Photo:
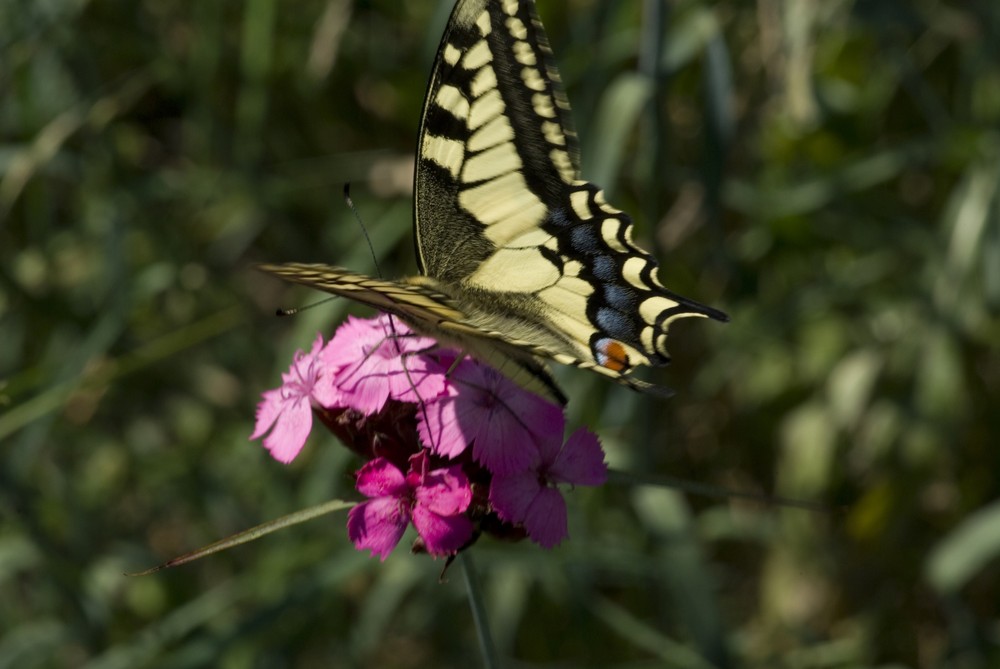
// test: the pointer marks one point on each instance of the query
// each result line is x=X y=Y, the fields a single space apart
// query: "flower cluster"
x=451 y=445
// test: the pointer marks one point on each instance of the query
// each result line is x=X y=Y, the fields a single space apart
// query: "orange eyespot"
x=611 y=354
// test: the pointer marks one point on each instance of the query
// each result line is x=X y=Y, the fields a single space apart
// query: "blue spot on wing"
x=605 y=268
x=558 y=218
x=619 y=297
x=615 y=324
x=584 y=240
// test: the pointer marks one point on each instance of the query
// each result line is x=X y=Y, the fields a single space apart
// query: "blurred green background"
x=827 y=172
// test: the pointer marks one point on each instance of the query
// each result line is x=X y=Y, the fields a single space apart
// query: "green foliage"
x=826 y=172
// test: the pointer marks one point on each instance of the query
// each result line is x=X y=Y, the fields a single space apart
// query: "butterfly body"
x=521 y=261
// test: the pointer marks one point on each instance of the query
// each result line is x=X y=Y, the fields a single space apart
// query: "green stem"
x=472 y=584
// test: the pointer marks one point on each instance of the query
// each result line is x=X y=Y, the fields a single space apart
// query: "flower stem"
x=472 y=584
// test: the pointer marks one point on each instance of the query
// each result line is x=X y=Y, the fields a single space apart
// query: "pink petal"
x=442 y=535
x=286 y=411
x=406 y=340
x=512 y=495
x=325 y=394
x=420 y=465
x=546 y=519
x=439 y=429
x=374 y=359
x=313 y=375
x=506 y=423
x=268 y=411
x=550 y=443
x=581 y=460
x=324 y=391
x=542 y=418
x=361 y=390
x=420 y=379
x=305 y=367
x=316 y=349
x=383 y=369
x=353 y=345
x=291 y=428
x=501 y=443
x=446 y=492
x=377 y=525
x=355 y=336
x=381 y=478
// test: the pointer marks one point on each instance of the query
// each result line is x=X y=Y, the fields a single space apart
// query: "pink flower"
x=286 y=412
x=530 y=496
x=433 y=500
x=503 y=422
x=392 y=396
x=380 y=358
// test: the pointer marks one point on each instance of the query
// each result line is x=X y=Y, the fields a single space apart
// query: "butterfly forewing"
x=496 y=143
x=432 y=313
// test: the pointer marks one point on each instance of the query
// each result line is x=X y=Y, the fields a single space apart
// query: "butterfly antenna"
x=378 y=272
x=361 y=224
x=371 y=248
x=291 y=312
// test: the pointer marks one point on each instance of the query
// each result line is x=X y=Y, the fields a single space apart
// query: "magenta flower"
x=530 y=497
x=433 y=500
x=503 y=422
x=286 y=412
x=377 y=359
x=392 y=396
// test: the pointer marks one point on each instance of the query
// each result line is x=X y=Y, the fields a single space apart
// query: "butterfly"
x=520 y=260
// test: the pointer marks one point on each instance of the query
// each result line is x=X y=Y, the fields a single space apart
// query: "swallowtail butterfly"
x=520 y=260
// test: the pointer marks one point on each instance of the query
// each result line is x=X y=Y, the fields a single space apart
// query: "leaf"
x=963 y=553
x=253 y=533
x=617 y=115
